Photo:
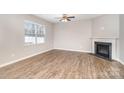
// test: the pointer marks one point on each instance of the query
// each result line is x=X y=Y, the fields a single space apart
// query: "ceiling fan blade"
x=58 y=17
x=68 y=19
x=71 y=17
x=61 y=19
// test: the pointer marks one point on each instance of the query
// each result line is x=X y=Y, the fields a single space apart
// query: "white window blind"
x=34 y=33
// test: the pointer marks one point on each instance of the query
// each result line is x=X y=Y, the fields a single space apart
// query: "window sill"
x=29 y=44
x=33 y=44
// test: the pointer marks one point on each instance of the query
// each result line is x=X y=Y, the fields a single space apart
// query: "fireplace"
x=103 y=49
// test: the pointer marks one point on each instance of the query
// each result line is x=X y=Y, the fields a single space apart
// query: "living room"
x=99 y=35
x=61 y=46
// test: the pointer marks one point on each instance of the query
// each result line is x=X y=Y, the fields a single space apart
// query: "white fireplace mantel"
x=114 y=42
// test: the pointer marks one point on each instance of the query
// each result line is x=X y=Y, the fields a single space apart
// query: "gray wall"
x=12 y=38
x=106 y=26
x=73 y=36
x=121 y=39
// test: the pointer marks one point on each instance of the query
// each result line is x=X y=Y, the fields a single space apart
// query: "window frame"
x=36 y=33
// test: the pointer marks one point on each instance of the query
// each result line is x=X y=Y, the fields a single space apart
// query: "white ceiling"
x=52 y=17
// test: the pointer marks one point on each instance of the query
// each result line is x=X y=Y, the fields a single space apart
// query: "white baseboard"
x=122 y=62
x=14 y=61
x=73 y=50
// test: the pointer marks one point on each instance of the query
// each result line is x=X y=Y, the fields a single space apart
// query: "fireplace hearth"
x=103 y=49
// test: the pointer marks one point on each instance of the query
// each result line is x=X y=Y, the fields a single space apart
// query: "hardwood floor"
x=59 y=64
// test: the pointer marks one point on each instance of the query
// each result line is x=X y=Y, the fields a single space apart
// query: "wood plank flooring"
x=59 y=64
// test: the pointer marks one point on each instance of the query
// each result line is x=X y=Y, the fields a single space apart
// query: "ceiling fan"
x=65 y=18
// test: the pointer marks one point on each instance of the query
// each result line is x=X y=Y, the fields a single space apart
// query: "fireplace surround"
x=103 y=49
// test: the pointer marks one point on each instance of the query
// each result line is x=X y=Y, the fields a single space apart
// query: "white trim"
x=122 y=62
x=73 y=50
x=14 y=61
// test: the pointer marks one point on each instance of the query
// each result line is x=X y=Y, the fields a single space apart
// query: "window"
x=34 y=33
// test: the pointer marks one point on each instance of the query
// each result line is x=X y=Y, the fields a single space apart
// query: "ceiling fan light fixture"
x=64 y=20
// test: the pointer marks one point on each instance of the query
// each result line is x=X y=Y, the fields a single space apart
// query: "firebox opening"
x=103 y=49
